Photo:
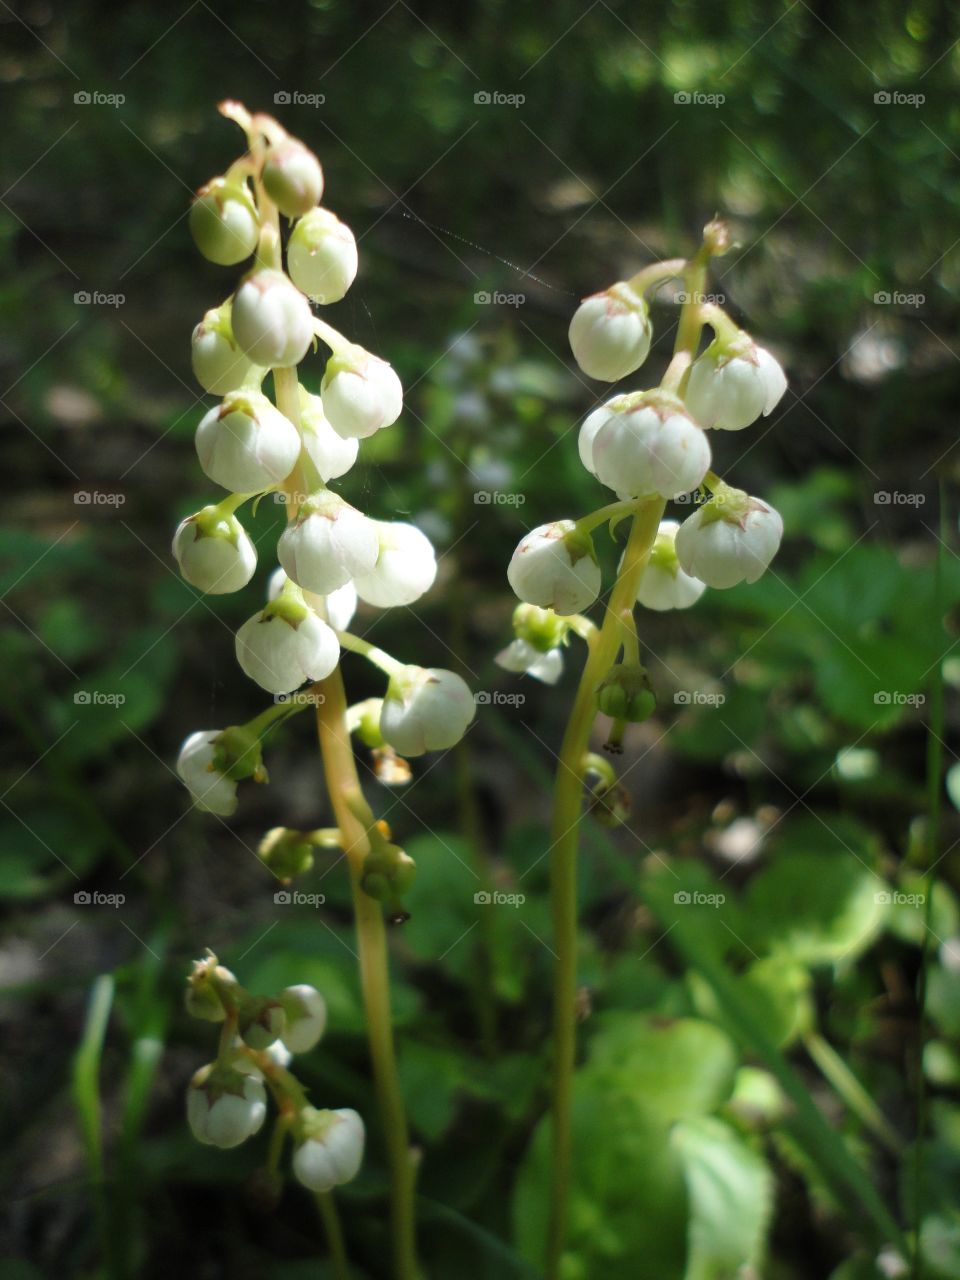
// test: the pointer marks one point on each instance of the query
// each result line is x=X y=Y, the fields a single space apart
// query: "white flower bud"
x=292 y=178
x=664 y=585
x=224 y=1106
x=556 y=567
x=218 y=363
x=361 y=394
x=286 y=644
x=306 y=1013
x=212 y=791
x=338 y=606
x=730 y=539
x=729 y=387
x=653 y=447
x=521 y=657
x=332 y=1150
x=214 y=552
x=224 y=222
x=322 y=256
x=425 y=709
x=330 y=453
x=329 y=543
x=247 y=445
x=272 y=320
x=610 y=333
x=406 y=566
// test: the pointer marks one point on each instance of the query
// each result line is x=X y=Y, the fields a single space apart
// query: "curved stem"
x=379 y=657
x=587 y=523
x=657 y=273
x=354 y=819
x=334 y=1233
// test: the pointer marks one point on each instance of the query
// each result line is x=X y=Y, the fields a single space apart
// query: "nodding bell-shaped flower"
x=425 y=709
x=650 y=444
x=292 y=178
x=214 y=552
x=225 y=1106
x=361 y=394
x=272 y=320
x=610 y=333
x=406 y=566
x=224 y=222
x=218 y=363
x=663 y=584
x=245 y=444
x=537 y=649
x=329 y=543
x=213 y=761
x=730 y=539
x=732 y=383
x=329 y=452
x=306 y=1014
x=555 y=566
x=522 y=658
x=287 y=644
x=338 y=607
x=330 y=1150
x=322 y=256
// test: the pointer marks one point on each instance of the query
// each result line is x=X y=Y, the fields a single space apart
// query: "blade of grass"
x=86 y=1098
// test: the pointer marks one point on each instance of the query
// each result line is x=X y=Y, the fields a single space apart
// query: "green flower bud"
x=209 y=988
x=287 y=853
x=224 y=222
x=542 y=629
x=625 y=694
x=237 y=754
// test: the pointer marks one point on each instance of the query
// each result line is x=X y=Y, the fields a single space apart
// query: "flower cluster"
x=651 y=445
x=331 y=554
x=227 y=1098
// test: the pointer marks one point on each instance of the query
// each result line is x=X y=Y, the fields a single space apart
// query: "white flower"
x=663 y=584
x=224 y=222
x=556 y=568
x=214 y=552
x=329 y=452
x=272 y=320
x=212 y=791
x=218 y=363
x=729 y=391
x=306 y=1014
x=406 y=566
x=224 y=1106
x=730 y=539
x=338 y=607
x=293 y=178
x=653 y=447
x=610 y=333
x=520 y=656
x=322 y=256
x=285 y=645
x=245 y=444
x=425 y=709
x=334 y=1154
x=329 y=543
x=361 y=394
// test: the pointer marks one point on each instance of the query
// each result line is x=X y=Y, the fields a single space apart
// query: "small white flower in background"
x=218 y=363
x=330 y=453
x=556 y=567
x=225 y=1106
x=729 y=387
x=322 y=256
x=245 y=444
x=425 y=709
x=212 y=790
x=652 y=447
x=272 y=321
x=522 y=658
x=329 y=543
x=406 y=566
x=293 y=178
x=610 y=333
x=214 y=552
x=286 y=644
x=224 y=222
x=331 y=1151
x=361 y=394
x=730 y=539
x=663 y=584
x=306 y=1014
x=338 y=607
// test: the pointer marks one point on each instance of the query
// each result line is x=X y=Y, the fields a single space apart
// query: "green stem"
x=586 y=524
x=379 y=657
x=334 y=1233
x=656 y=273
x=852 y=1091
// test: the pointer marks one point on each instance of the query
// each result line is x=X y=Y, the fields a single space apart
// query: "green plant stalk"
x=846 y=1084
x=567 y=807
x=86 y=1099
x=354 y=819
x=334 y=1233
